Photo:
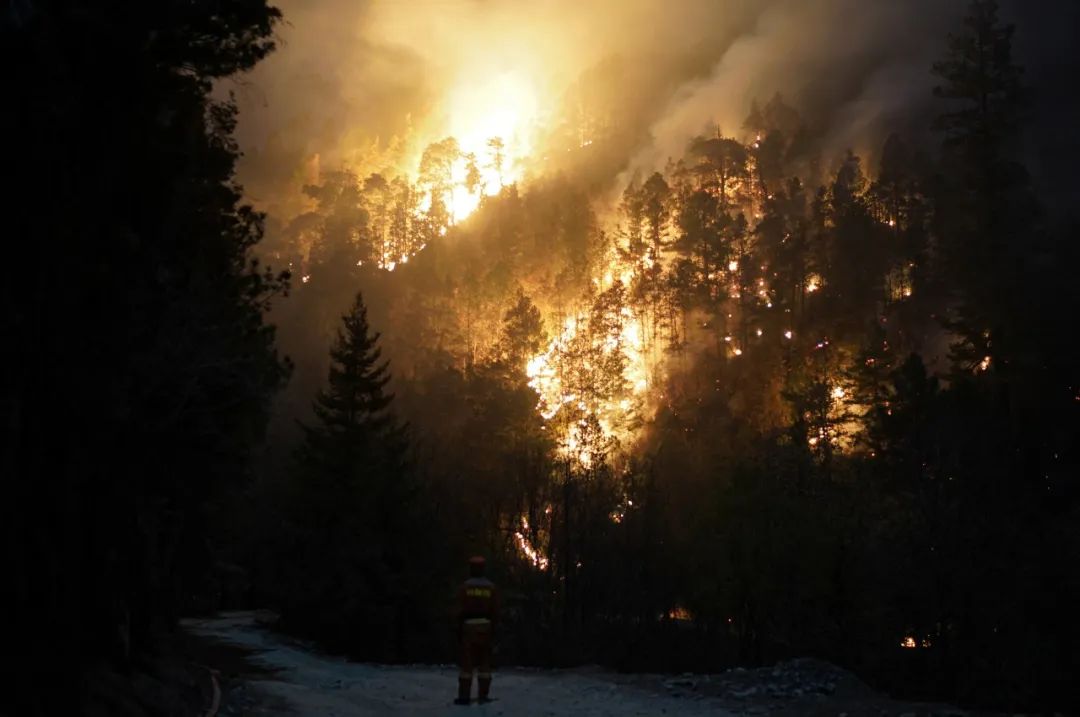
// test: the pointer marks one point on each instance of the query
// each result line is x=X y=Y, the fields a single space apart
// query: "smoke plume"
x=352 y=75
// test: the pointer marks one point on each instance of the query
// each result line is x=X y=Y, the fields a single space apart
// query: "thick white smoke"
x=350 y=73
x=850 y=66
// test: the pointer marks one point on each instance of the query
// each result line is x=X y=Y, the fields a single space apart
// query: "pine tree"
x=343 y=220
x=656 y=208
x=497 y=153
x=522 y=335
x=982 y=83
x=353 y=506
x=722 y=165
x=436 y=176
x=857 y=254
x=375 y=240
x=632 y=211
x=988 y=206
x=356 y=432
x=700 y=222
x=145 y=278
x=474 y=181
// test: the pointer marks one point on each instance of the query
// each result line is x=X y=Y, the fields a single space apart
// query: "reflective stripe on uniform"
x=478 y=621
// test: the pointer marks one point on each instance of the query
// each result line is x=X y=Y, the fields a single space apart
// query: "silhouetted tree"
x=523 y=333
x=353 y=504
x=141 y=251
x=655 y=209
x=987 y=206
x=436 y=176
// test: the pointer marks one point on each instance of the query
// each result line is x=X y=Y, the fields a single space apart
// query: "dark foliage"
x=351 y=559
x=137 y=366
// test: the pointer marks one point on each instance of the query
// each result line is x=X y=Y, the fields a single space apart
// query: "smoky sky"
x=350 y=73
x=1045 y=44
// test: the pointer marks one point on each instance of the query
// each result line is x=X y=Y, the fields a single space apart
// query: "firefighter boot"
x=483 y=687
x=464 y=687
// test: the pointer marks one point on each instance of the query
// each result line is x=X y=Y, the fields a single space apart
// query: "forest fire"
x=583 y=308
x=491 y=125
x=526 y=549
x=592 y=378
x=495 y=119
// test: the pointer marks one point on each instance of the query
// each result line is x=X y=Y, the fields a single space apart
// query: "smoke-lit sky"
x=349 y=72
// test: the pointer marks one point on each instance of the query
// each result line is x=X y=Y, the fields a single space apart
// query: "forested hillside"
x=729 y=332
x=760 y=402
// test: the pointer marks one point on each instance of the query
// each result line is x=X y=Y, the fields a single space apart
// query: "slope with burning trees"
x=708 y=291
x=716 y=412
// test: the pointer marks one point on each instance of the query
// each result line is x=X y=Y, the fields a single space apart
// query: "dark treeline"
x=775 y=403
x=138 y=370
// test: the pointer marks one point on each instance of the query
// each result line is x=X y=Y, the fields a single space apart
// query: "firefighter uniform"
x=478 y=608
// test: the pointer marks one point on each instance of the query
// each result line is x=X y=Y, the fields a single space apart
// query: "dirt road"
x=294 y=680
x=307 y=684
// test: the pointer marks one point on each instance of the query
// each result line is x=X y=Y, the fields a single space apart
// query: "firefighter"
x=478 y=610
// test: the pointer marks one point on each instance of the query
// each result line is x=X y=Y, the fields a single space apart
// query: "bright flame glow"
x=589 y=422
x=502 y=108
x=505 y=106
x=527 y=550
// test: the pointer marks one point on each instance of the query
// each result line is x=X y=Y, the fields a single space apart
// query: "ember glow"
x=591 y=420
x=526 y=549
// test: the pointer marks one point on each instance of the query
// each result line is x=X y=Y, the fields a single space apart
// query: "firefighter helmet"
x=476 y=565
